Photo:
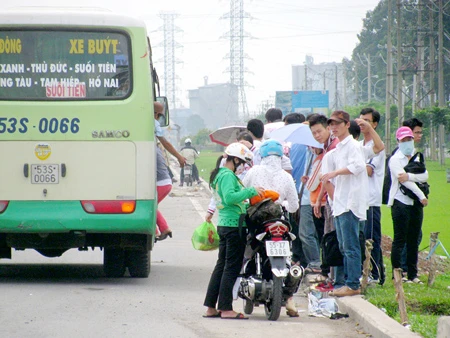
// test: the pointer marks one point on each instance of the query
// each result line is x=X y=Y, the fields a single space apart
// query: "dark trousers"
x=372 y=230
x=407 y=220
x=228 y=266
x=319 y=223
x=297 y=249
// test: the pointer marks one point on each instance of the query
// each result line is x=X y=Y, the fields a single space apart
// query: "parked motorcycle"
x=267 y=276
x=188 y=178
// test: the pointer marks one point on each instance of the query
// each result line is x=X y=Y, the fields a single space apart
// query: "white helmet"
x=188 y=140
x=240 y=151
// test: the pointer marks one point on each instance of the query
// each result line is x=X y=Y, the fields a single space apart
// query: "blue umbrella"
x=296 y=133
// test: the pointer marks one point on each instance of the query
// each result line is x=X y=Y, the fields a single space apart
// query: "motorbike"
x=267 y=276
x=188 y=178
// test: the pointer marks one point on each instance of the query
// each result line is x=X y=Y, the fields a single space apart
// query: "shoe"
x=325 y=287
x=180 y=185
x=310 y=270
x=291 y=309
x=370 y=280
x=238 y=316
x=345 y=291
x=174 y=180
x=199 y=182
x=163 y=236
x=414 y=281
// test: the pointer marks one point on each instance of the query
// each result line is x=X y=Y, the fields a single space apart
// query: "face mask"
x=239 y=169
x=406 y=148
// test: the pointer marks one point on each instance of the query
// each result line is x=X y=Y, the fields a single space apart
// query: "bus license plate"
x=279 y=248
x=44 y=173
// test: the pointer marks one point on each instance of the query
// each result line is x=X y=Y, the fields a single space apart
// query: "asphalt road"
x=70 y=297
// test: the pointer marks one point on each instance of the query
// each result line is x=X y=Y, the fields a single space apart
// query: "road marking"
x=198 y=207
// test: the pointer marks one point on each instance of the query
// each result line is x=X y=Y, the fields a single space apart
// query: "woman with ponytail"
x=230 y=196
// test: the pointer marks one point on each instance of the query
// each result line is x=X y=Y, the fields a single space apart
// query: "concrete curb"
x=443 y=327
x=372 y=319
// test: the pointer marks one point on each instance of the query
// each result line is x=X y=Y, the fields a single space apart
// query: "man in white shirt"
x=375 y=171
x=350 y=201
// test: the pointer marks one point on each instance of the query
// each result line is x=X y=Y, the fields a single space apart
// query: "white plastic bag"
x=324 y=307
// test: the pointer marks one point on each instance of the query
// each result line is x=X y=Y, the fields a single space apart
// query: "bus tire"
x=114 y=262
x=138 y=263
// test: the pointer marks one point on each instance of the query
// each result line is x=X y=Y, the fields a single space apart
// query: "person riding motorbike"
x=271 y=176
x=191 y=154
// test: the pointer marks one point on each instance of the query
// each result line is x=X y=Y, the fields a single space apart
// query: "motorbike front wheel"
x=248 y=307
x=273 y=305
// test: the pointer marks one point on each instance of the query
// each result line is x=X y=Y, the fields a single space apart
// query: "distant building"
x=216 y=104
x=324 y=76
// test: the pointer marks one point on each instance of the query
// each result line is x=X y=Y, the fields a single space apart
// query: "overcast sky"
x=283 y=32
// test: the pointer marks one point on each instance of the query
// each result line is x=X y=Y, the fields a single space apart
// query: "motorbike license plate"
x=187 y=171
x=44 y=173
x=279 y=248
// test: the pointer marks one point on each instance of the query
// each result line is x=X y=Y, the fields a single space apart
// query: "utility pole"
x=170 y=45
x=389 y=80
x=419 y=83
x=336 y=94
x=356 y=84
x=441 y=95
x=345 y=83
x=399 y=66
x=432 y=66
x=324 y=80
x=306 y=77
x=369 y=80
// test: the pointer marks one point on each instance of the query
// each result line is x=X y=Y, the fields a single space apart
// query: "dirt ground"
x=442 y=264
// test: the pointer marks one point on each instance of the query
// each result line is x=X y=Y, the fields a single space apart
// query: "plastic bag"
x=205 y=237
x=324 y=307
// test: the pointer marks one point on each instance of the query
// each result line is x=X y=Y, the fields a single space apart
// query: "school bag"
x=387 y=179
x=261 y=212
x=416 y=167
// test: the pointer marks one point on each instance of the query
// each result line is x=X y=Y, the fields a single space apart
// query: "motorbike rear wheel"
x=273 y=306
x=248 y=307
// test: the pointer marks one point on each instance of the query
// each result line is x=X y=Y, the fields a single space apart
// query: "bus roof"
x=66 y=16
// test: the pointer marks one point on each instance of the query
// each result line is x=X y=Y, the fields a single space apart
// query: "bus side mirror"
x=164 y=120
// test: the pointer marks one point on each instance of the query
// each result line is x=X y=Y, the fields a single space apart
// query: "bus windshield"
x=64 y=65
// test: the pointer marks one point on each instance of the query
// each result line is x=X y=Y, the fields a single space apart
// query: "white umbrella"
x=226 y=135
x=296 y=133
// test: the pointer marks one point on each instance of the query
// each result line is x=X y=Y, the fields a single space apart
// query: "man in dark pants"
x=375 y=172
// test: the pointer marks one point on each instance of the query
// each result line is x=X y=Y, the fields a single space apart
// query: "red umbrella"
x=226 y=135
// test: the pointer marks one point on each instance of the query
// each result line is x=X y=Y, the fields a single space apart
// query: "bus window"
x=64 y=65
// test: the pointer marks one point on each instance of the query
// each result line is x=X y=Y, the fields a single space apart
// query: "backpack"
x=261 y=212
x=416 y=167
x=331 y=255
x=387 y=179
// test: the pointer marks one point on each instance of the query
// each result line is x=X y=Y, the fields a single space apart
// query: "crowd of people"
x=336 y=188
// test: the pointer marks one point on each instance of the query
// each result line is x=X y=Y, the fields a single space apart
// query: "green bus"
x=77 y=139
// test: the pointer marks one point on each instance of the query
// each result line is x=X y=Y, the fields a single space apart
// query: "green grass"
x=436 y=214
x=206 y=163
x=424 y=304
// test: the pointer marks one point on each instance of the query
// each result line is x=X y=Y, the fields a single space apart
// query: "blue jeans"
x=308 y=237
x=347 y=230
